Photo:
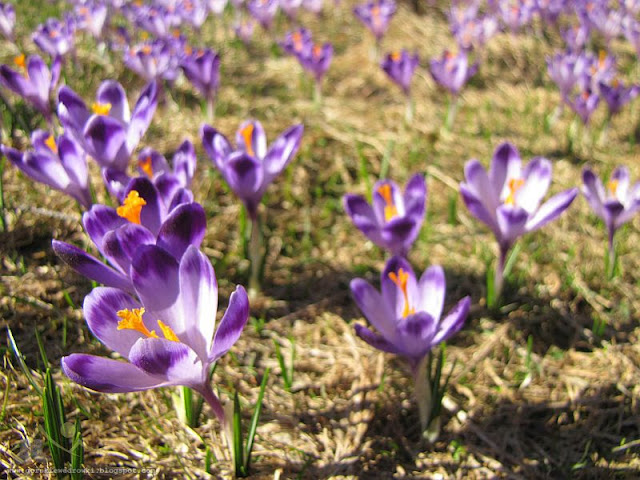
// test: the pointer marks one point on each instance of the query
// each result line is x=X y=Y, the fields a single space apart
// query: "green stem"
x=451 y=113
x=211 y=111
x=409 y=110
x=317 y=94
x=255 y=256
x=423 y=393
x=3 y=220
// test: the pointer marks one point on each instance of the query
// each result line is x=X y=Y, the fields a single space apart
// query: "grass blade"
x=254 y=420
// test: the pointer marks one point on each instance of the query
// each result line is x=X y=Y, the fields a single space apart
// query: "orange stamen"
x=132 y=320
x=131 y=207
x=297 y=41
x=514 y=185
x=20 y=61
x=101 y=108
x=390 y=209
x=146 y=50
x=400 y=279
x=146 y=166
x=613 y=186
x=317 y=51
x=396 y=56
x=247 y=134
x=51 y=143
x=168 y=333
x=144 y=35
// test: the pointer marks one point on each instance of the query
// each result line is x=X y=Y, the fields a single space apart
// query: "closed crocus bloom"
x=616 y=95
x=616 y=203
x=55 y=37
x=155 y=60
x=263 y=11
x=376 y=16
x=59 y=163
x=296 y=42
x=250 y=167
x=166 y=335
x=32 y=80
x=244 y=30
x=400 y=66
x=508 y=198
x=108 y=131
x=316 y=59
x=452 y=71
x=394 y=220
x=92 y=17
x=584 y=104
x=7 y=20
x=142 y=219
x=202 y=69
x=407 y=312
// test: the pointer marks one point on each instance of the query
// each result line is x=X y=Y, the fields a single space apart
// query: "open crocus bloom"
x=376 y=16
x=142 y=219
x=166 y=334
x=250 y=167
x=55 y=37
x=394 y=220
x=508 y=198
x=399 y=66
x=452 y=71
x=109 y=131
x=616 y=203
x=60 y=164
x=407 y=313
x=32 y=80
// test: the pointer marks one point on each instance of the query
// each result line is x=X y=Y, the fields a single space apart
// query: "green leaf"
x=255 y=418
x=236 y=425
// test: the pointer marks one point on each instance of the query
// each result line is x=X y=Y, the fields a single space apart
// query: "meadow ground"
x=563 y=406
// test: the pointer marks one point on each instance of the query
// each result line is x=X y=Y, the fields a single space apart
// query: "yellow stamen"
x=54 y=34
x=297 y=41
x=188 y=50
x=602 y=58
x=400 y=279
x=247 y=134
x=51 y=143
x=146 y=166
x=131 y=207
x=317 y=51
x=514 y=185
x=132 y=320
x=390 y=210
x=144 y=35
x=146 y=50
x=613 y=186
x=20 y=61
x=101 y=108
x=396 y=56
x=168 y=333
x=175 y=33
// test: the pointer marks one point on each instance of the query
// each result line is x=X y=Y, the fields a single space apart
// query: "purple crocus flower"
x=617 y=95
x=155 y=59
x=394 y=219
x=407 y=312
x=516 y=13
x=156 y=20
x=193 y=12
x=55 y=37
x=568 y=71
x=244 y=30
x=216 y=6
x=108 y=132
x=400 y=66
x=290 y=7
x=616 y=203
x=60 y=164
x=452 y=71
x=316 y=59
x=584 y=104
x=142 y=219
x=7 y=20
x=263 y=11
x=202 y=69
x=508 y=198
x=33 y=81
x=376 y=16
x=577 y=37
x=296 y=42
x=250 y=167
x=92 y=17
x=177 y=298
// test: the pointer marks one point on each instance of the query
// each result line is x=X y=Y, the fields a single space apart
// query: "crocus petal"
x=551 y=209
x=399 y=233
x=111 y=92
x=216 y=145
x=537 y=176
x=197 y=303
x=231 y=325
x=415 y=196
x=174 y=361
x=116 y=182
x=257 y=140
x=621 y=176
x=376 y=341
x=154 y=273
x=453 y=322
x=391 y=293
x=362 y=216
x=593 y=191
x=416 y=334
x=106 y=375
x=73 y=160
x=106 y=138
x=184 y=163
x=431 y=291
x=244 y=175
x=142 y=115
x=373 y=307
x=183 y=227
x=91 y=267
x=478 y=209
x=478 y=183
x=101 y=309
x=282 y=151
x=153 y=212
x=100 y=220
x=505 y=164
x=120 y=245
x=72 y=111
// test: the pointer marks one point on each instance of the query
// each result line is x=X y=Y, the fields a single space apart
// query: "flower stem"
x=255 y=256
x=3 y=219
x=498 y=279
x=409 y=110
x=214 y=402
x=422 y=390
x=211 y=111
x=611 y=263
x=451 y=113
x=317 y=94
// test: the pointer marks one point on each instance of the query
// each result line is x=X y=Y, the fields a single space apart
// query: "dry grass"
x=567 y=409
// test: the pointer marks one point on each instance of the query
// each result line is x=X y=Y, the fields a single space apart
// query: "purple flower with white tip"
x=142 y=219
x=394 y=219
x=92 y=17
x=400 y=66
x=109 y=132
x=59 y=163
x=7 y=20
x=177 y=299
x=407 y=312
x=615 y=204
x=452 y=71
x=508 y=198
x=250 y=167
x=55 y=37
x=33 y=81
x=376 y=16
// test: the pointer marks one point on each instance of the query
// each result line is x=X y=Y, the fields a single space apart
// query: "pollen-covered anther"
x=514 y=185
x=146 y=166
x=613 y=186
x=247 y=135
x=401 y=279
x=101 y=108
x=132 y=320
x=51 y=143
x=390 y=209
x=20 y=61
x=132 y=207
